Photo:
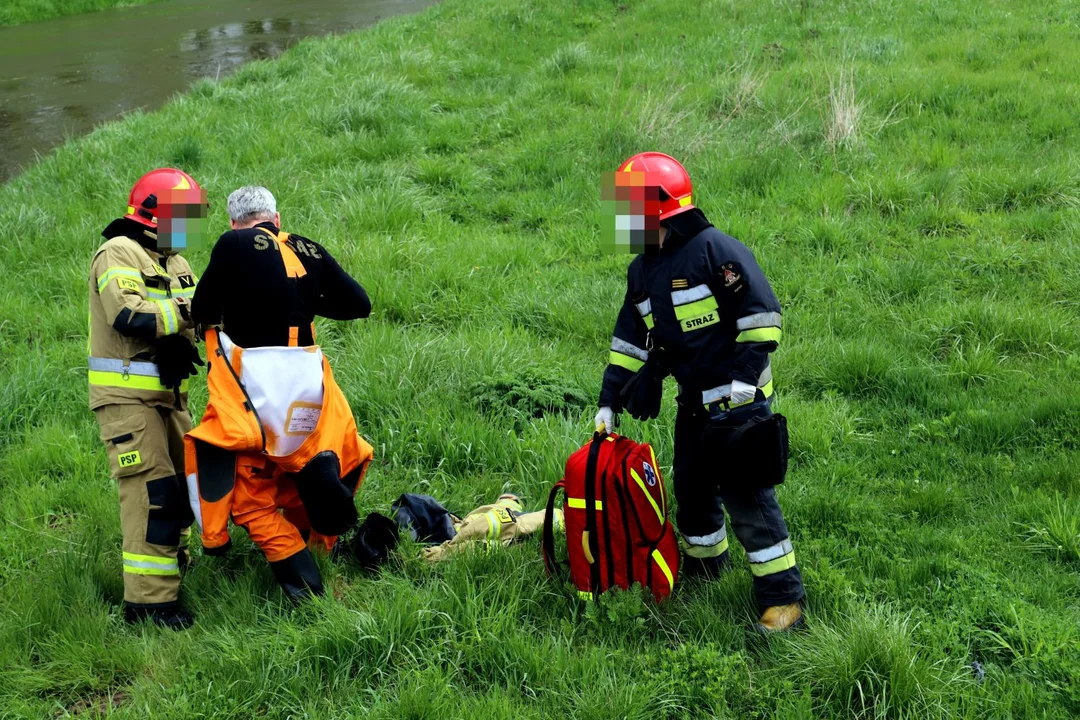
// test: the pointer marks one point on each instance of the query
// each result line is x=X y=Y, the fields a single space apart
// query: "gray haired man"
x=264 y=287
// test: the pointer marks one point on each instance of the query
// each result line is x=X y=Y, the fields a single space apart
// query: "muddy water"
x=62 y=77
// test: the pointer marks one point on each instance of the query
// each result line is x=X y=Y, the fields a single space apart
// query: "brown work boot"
x=780 y=618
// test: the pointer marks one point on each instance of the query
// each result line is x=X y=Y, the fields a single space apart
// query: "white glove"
x=605 y=420
x=742 y=393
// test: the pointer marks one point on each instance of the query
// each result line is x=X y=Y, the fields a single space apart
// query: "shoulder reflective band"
x=644 y=309
x=641 y=484
x=136 y=375
x=579 y=503
x=662 y=564
x=112 y=273
x=150 y=565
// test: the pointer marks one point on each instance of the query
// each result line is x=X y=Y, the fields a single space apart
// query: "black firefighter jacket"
x=704 y=300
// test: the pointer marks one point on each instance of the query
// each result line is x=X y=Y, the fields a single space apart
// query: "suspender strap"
x=293 y=269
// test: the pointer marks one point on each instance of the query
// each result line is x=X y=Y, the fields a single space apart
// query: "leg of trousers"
x=141 y=442
x=292 y=507
x=703 y=491
x=257 y=507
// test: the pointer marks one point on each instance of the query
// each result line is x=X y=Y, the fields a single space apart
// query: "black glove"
x=177 y=359
x=641 y=395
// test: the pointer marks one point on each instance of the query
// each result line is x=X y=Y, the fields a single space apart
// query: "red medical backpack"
x=615 y=514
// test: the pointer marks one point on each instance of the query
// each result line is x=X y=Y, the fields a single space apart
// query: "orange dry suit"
x=277 y=451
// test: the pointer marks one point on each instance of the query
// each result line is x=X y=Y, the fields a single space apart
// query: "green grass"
x=907 y=173
x=17 y=12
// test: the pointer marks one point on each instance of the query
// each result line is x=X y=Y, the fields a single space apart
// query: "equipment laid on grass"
x=500 y=523
x=423 y=518
x=373 y=541
x=615 y=514
x=426 y=521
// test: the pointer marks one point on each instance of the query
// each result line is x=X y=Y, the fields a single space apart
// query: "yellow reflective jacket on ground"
x=501 y=523
x=136 y=297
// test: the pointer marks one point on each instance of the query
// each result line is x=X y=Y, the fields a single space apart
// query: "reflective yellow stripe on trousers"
x=773 y=559
x=150 y=565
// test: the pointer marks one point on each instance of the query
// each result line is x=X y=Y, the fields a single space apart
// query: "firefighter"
x=141 y=353
x=698 y=300
x=277 y=451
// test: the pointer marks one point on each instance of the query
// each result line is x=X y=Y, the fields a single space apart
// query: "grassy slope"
x=17 y=12
x=929 y=271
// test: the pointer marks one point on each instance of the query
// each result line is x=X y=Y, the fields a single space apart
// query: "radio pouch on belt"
x=754 y=450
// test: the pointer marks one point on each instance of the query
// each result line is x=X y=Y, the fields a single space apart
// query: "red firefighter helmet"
x=667 y=173
x=156 y=187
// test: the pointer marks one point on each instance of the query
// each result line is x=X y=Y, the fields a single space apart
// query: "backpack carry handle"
x=548 y=540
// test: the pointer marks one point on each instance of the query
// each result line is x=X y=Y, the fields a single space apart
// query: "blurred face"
x=181 y=217
x=631 y=213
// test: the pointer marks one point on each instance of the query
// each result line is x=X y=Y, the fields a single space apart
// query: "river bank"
x=907 y=174
x=17 y=12
x=62 y=78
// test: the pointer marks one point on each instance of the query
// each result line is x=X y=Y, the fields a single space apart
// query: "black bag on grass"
x=423 y=519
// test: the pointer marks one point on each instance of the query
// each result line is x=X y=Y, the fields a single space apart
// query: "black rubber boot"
x=170 y=615
x=298 y=576
x=705 y=568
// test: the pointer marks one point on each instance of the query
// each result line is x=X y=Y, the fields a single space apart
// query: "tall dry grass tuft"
x=843 y=112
